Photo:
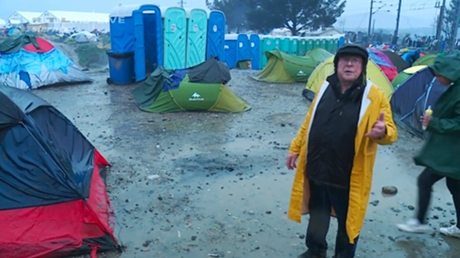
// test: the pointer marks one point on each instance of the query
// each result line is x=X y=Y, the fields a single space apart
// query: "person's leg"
x=425 y=182
x=318 y=225
x=340 y=200
x=454 y=187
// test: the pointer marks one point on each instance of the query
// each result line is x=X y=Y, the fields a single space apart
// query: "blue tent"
x=413 y=97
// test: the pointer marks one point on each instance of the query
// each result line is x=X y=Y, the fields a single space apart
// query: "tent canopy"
x=210 y=71
x=326 y=68
x=319 y=54
x=30 y=62
x=30 y=43
x=384 y=62
x=402 y=76
x=412 y=98
x=425 y=60
x=284 y=68
x=173 y=91
x=53 y=200
x=396 y=60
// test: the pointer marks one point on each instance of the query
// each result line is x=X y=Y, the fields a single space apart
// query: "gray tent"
x=412 y=98
x=210 y=71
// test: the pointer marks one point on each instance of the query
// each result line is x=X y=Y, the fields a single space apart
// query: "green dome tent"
x=425 y=60
x=200 y=88
x=406 y=73
x=319 y=54
x=284 y=68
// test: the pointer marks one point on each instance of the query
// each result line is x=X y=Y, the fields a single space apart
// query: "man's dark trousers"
x=322 y=198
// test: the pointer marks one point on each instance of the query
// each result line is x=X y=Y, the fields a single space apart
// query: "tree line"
x=263 y=16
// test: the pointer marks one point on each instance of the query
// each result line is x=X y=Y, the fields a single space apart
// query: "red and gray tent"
x=53 y=199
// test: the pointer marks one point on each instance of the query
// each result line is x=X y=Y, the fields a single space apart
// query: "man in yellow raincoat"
x=336 y=147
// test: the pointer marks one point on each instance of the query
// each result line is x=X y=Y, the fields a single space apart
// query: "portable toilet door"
x=317 y=43
x=254 y=51
x=341 y=42
x=148 y=40
x=329 y=45
x=243 y=47
x=268 y=44
x=294 y=42
x=175 y=37
x=197 y=29
x=278 y=42
x=335 y=45
x=285 y=45
x=310 y=45
x=121 y=29
x=302 y=47
x=323 y=43
x=230 y=50
x=216 y=35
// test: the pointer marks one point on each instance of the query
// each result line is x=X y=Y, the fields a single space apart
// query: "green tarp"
x=14 y=43
x=156 y=95
x=284 y=68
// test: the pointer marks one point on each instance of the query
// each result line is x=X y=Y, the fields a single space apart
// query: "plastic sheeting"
x=32 y=62
x=41 y=69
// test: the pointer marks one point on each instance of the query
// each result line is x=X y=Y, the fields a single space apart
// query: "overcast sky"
x=414 y=12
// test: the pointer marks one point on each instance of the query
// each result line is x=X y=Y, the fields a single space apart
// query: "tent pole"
x=398 y=16
x=370 y=22
x=440 y=19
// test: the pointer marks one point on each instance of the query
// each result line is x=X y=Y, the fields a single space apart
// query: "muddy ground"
x=194 y=184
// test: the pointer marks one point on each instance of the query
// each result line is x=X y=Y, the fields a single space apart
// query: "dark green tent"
x=201 y=88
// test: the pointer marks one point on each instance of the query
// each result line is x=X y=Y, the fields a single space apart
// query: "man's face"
x=349 y=68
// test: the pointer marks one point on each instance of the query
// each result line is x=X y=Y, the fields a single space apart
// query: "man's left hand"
x=379 y=129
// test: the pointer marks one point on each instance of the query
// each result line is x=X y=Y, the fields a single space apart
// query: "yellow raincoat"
x=374 y=102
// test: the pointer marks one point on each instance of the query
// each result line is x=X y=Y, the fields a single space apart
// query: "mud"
x=199 y=184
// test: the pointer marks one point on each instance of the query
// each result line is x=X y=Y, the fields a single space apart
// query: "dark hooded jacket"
x=331 y=147
x=442 y=147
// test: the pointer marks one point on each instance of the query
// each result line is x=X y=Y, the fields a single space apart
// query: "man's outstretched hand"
x=379 y=129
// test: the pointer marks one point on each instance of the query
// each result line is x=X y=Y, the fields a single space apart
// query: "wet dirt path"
x=194 y=184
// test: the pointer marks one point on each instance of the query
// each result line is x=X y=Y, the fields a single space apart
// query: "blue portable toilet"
x=242 y=47
x=230 y=50
x=138 y=29
x=341 y=42
x=216 y=35
x=197 y=30
x=254 y=51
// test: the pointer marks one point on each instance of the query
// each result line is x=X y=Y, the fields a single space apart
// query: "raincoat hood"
x=447 y=66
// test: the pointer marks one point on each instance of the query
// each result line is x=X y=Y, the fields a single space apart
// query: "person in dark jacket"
x=336 y=146
x=440 y=153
